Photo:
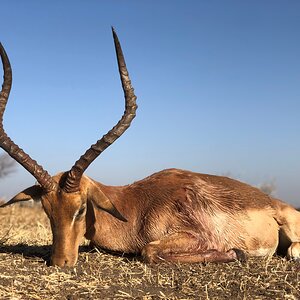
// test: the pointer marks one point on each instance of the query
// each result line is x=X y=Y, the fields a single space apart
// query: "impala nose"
x=66 y=263
x=62 y=262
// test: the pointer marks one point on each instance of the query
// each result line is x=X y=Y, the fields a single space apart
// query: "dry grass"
x=25 y=240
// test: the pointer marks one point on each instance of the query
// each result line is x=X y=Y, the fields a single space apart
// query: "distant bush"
x=268 y=188
x=7 y=165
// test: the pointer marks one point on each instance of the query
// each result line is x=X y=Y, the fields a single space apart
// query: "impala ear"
x=32 y=193
x=101 y=201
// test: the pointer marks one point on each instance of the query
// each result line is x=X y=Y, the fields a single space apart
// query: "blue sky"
x=217 y=85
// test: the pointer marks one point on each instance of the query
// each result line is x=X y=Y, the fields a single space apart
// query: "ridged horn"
x=7 y=144
x=74 y=175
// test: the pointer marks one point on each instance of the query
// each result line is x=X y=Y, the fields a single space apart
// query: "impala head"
x=65 y=197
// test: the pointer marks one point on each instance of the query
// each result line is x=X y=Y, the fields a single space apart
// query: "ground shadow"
x=44 y=252
x=126 y=256
x=30 y=251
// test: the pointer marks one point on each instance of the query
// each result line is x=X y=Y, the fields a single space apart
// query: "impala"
x=173 y=215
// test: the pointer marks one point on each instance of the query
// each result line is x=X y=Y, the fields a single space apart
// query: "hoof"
x=240 y=255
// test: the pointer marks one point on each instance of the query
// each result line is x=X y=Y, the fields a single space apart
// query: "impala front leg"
x=187 y=247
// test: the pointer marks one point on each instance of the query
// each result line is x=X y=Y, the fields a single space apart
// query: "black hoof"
x=240 y=255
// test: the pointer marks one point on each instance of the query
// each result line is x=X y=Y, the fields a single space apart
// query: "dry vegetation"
x=25 y=240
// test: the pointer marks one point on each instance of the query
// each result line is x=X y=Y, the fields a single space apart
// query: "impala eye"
x=80 y=212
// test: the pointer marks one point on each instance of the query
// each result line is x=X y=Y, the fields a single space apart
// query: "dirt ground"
x=25 y=240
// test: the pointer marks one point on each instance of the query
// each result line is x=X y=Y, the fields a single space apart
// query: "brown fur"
x=172 y=215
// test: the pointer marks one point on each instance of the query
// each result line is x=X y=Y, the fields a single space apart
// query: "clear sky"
x=217 y=85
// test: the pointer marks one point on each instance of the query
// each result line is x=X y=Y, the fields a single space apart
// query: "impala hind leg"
x=293 y=251
x=288 y=219
x=187 y=247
